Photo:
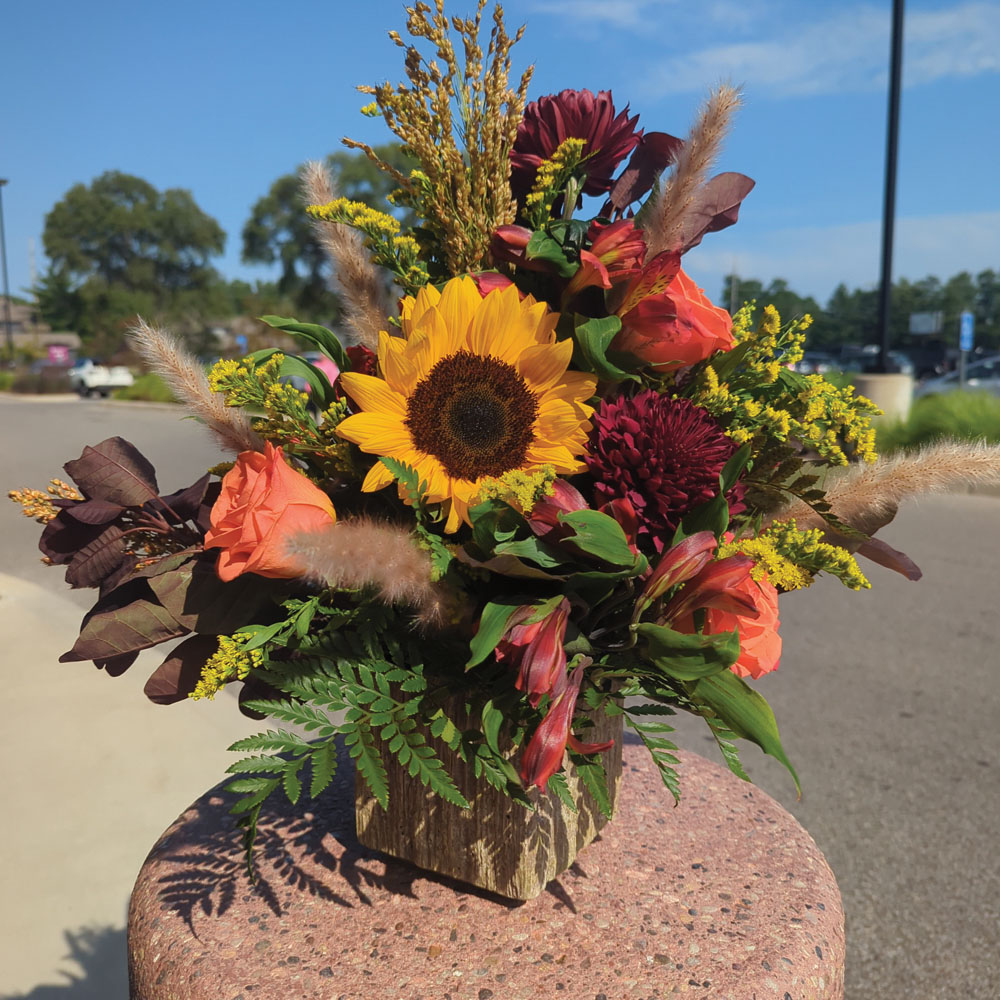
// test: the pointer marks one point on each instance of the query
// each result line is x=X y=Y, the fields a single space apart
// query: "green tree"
x=279 y=231
x=119 y=247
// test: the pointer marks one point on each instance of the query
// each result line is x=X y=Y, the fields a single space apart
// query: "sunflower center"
x=474 y=414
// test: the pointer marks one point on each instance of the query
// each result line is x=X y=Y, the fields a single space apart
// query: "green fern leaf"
x=594 y=779
x=323 y=758
x=557 y=784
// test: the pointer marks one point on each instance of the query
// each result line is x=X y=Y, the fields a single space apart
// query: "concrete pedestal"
x=724 y=896
x=892 y=393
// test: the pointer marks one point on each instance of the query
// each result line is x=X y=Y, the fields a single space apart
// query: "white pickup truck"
x=88 y=377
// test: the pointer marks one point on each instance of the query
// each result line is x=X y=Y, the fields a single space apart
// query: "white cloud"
x=815 y=259
x=617 y=13
x=847 y=52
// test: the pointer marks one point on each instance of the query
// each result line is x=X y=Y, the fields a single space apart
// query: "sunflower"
x=476 y=387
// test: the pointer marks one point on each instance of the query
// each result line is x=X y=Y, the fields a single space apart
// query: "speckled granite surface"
x=725 y=896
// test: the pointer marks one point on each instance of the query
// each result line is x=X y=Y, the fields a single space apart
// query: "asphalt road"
x=887 y=702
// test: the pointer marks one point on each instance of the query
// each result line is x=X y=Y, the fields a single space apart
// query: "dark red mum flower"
x=662 y=455
x=577 y=114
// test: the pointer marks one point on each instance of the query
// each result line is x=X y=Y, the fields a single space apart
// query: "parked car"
x=983 y=375
x=88 y=376
x=816 y=363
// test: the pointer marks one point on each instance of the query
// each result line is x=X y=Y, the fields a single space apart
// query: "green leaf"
x=493 y=720
x=557 y=785
x=745 y=712
x=361 y=742
x=290 y=779
x=260 y=634
x=543 y=247
x=600 y=536
x=733 y=468
x=592 y=774
x=492 y=625
x=323 y=338
x=689 y=657
x=593 y=337
x=533 y=550
x=323 y=758
x=660 y=748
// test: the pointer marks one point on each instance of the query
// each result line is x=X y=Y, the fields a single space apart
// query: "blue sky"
x=221 y=97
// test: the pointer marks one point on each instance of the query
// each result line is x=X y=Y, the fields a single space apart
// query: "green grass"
x=149 y=387
x=960 y=416
x=6 y=381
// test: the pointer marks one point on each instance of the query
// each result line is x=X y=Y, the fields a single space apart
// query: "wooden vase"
x=496 y=844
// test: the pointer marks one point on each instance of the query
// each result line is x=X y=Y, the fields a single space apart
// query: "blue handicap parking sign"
x=965 y=329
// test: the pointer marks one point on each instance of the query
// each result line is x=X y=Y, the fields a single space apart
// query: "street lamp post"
x=6 y=283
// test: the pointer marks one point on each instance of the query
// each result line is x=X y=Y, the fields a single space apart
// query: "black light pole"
x=889 y=203
x=6 y=284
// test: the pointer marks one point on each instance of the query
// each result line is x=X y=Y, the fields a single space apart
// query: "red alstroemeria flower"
x=624 y=513
x=490 y=281
x=543 y=755
x=543 y=518
x=536 y=649
x=510 y=244
x=719 y=585
x=577 y=114
x=615 y=254
x=679 y=563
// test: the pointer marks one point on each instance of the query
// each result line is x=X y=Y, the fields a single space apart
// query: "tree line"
x=118 y=248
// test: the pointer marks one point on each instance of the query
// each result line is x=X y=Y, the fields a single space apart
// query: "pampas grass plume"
x=361 y=553
x=187 y=381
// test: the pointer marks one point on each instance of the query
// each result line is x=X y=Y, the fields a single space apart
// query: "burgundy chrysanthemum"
x=662 y=455
x=577 y=114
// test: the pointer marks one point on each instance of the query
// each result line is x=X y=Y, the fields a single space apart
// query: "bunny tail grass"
x=361 y=553
x=867 y=496
x=665 y=226
x=186 y=379
x=361 y=287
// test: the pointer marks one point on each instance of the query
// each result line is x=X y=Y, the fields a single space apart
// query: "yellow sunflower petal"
x=499 y=328
x=413 y=309
x=543 y=365
x=378 y=478
x=371 y=393
x=460 y=301
x=377 y=434
x=397 y=368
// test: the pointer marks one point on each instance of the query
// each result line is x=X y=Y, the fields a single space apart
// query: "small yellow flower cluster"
x=38 y=505
x=551 y=178
x=371 y=110
x=761 y=402
x=398 y=253
x=229 y=662
x=521 y=488
x=791 y=557
x=356 y=214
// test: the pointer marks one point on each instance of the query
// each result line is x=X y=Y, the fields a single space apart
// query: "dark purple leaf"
x=178 y=675
x=127 y=619
x=716 y=206
x=129 y=573
x=93 y=511
x=203 y=519
x=198 y=599
x=63 y=538
x=117 y=665
x=885 y=555
x=115 y=471
x=655 y=152
x=187 y=502
x=98 y=560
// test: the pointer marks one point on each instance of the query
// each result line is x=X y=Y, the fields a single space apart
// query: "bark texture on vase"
x=497 y=844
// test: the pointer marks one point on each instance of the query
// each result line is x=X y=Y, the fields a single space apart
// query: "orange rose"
x=679 y=326
x=263 y=503
x=760 y=644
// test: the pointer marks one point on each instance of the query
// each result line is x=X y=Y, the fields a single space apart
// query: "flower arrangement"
x=553 y=480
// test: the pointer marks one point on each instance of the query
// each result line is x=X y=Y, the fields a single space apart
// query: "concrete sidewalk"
x=93 y=773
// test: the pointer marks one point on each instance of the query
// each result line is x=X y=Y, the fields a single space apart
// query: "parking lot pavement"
x=887 y=703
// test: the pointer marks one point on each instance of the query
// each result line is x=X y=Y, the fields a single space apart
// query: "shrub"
x=962 y=416
x=149 y=387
